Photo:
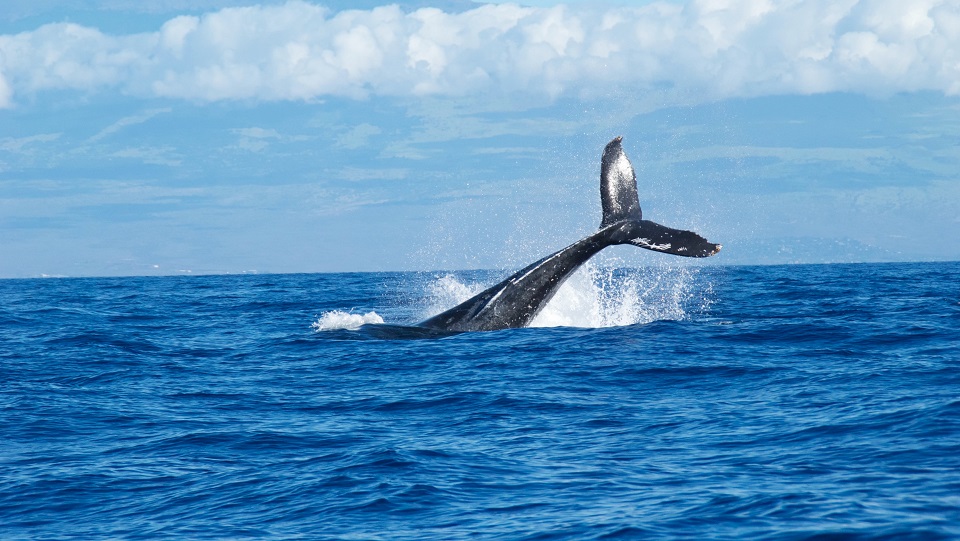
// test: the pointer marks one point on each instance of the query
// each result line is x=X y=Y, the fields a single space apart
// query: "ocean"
x=707 y=402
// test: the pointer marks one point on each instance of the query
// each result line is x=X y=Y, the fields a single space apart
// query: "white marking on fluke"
x=640 y=241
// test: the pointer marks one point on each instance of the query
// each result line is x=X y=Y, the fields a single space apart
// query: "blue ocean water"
x=783 y=402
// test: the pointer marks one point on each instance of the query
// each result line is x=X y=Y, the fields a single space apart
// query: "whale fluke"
x=618 y=186
x=659 y=238
x=515 y=301
x=620 y=203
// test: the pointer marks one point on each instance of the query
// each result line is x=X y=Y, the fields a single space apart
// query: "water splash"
x=445 y=292
x=338 y=319
x=595 y=297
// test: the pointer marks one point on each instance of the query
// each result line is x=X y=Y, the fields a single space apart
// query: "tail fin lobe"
x=618 y=186
x=660 y=238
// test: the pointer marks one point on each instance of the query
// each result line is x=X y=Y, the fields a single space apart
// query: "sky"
x=228 y=136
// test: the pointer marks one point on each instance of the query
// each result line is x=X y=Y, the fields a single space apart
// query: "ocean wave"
x=217 y=413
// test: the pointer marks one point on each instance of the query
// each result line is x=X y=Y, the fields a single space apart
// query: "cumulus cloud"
x=702 y=50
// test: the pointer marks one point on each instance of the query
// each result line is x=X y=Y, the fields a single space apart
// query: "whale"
x=517 y=300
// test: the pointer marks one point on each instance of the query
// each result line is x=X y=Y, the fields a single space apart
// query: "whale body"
x=516 y=301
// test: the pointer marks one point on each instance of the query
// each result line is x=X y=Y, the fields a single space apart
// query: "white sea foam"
x=595 y=297
x=447 y=291
x=338 y=319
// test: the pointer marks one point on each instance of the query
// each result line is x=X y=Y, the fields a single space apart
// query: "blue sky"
x=227 y=136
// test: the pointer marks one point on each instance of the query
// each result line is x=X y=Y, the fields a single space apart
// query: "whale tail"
x=518 y=299
x=622 y=214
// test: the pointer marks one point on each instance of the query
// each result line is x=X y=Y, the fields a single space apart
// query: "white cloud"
x=6 y=93
x=707 y=48
x=128 y=121
x=256 y=139
x=358 y=136
x=150 y=155
x=18 y=145
x=259 y=133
